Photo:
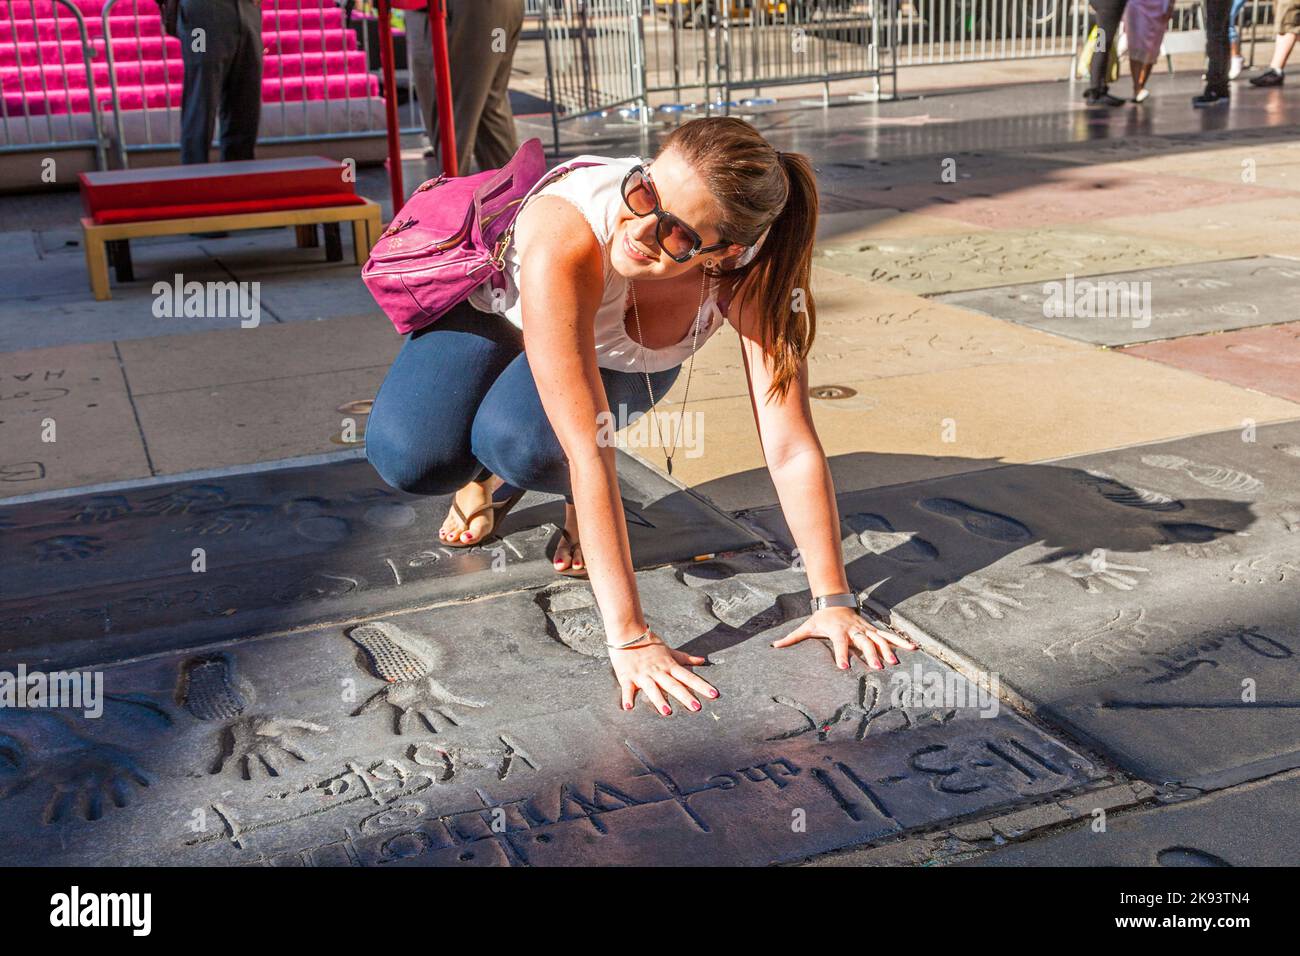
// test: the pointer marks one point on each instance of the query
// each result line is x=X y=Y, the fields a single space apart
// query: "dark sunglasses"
x=679 y=240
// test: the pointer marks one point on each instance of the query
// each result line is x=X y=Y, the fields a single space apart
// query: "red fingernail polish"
x=713 y=693
x=695 y=705
x=844 y=667
x=667 y=711
x=627 y=706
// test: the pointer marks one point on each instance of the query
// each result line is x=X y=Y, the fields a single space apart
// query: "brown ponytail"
x=755 y=187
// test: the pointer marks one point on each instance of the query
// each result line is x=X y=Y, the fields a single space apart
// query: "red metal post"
x=390 y=104
x=442 y=79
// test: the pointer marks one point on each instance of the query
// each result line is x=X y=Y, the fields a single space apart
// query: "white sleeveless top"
x=594 y=190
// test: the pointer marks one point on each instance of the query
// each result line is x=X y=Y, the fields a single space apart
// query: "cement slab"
x=930 y=265
x=501 y=742
x=1257 y=824
x=1147 y=305
x=907 y=427
x=237 y=356
x=244 y=422
x=66 y=420
x=1071 y=194
x=88 y=577
x=1266 y=360
x=1251 y=228
x=1145 y=599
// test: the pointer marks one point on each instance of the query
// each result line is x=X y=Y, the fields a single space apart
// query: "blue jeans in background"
x=460 y=403
x=1234 y=36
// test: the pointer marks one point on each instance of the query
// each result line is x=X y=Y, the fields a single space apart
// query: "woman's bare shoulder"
x=557 y=230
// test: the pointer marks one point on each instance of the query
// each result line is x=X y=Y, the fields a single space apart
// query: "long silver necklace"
x=686 y=394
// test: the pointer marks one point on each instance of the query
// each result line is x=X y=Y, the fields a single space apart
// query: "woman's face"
x=634 y=251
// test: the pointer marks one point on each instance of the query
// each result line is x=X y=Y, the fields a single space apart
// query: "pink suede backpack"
x=451 y=236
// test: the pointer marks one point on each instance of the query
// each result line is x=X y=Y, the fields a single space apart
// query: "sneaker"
x=1142 y=95
x=1101 y=98
x=1269 y=77
x=1234 y=70
x=1211 y=97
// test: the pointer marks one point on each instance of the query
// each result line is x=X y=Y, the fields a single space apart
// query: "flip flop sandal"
x=570 y=571
x=499 y=510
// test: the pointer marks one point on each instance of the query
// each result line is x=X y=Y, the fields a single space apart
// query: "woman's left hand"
x=845 y=628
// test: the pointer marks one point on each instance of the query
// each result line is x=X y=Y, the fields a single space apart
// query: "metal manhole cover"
x=831 y=392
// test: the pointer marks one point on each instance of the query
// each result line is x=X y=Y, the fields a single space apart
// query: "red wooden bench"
x=300 y=191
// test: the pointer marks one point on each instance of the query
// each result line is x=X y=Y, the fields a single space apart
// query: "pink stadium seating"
x=310 y=55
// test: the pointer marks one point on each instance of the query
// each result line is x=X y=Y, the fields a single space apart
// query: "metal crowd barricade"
x=31 y=74
x=594 y=57
x=151 y=123
x=965 y=31
x=785 y=42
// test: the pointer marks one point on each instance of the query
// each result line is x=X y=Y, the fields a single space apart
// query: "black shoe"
x=1211 y=97
x=1101 y=98
x=1269 y=77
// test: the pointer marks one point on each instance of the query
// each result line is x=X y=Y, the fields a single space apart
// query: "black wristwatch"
x=847 y=599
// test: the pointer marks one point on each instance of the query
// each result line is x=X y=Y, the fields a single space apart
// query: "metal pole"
x=442 y=78
x=390 y=105
x=551 y=86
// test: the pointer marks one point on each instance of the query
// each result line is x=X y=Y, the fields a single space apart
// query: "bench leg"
x=360 y=241
x=119 y=254
x=97 y=266
x=306 y=236
x=374 y=228
x=333 y=242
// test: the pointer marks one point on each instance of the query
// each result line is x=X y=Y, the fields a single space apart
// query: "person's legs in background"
x=1109 y=13
x=476 y=30
x=1288 y=28
x=419 y=53
x=1234 y=39
x=206 y=50
x=1216 y=52
x=497 y=140
x=241 y=99
x=514 y=439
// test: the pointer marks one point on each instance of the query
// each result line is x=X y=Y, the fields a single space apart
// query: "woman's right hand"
x=655 y=669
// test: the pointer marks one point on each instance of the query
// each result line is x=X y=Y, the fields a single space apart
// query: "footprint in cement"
x=391 y=653
x=878 y=536
x=1211 y=476
x=210 y=690
x=1287 y=448
x=1112 y=489
x=985 y=524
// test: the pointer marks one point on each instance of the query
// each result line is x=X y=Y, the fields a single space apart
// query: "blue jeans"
x=460 y=403
x=1234 y=35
